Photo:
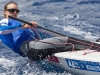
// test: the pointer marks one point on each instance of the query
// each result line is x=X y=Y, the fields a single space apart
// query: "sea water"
x=75 y=18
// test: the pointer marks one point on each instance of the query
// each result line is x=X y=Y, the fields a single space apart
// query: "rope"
x=90 y=45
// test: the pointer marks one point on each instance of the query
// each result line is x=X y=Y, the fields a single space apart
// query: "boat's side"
x=77 y=61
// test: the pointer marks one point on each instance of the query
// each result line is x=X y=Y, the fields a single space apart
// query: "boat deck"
x=88 y=55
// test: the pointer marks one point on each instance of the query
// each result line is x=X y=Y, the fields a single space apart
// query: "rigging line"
x=90 y=45
x=90 y=52
x=43 y=41
x=50 y=42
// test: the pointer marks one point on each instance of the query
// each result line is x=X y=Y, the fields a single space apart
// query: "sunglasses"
x=13 y=10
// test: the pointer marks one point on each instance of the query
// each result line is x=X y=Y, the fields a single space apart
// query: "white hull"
x=77 y=62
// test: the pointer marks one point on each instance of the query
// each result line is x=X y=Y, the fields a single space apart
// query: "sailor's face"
x=12 y=10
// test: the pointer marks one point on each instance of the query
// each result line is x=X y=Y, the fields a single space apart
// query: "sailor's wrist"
x=23 y=25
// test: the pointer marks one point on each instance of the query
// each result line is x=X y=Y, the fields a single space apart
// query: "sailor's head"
x=11 y=9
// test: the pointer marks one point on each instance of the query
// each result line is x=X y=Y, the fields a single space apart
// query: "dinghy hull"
x=85 y=62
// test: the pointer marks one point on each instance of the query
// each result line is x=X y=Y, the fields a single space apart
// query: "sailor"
x=15 y=35
x=12 y=31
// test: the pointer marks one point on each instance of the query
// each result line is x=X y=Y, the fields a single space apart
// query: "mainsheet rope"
x=90 y=45
x=75 y=40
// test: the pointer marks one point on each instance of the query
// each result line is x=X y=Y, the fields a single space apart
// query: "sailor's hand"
x=34 y=25
x=26 y=26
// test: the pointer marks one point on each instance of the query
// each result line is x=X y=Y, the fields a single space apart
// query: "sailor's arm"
x=8 y=29
x=5 y=28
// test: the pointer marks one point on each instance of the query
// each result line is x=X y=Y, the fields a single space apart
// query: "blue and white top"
x=12 y=34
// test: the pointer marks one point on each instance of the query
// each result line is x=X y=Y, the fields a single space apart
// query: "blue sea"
x=75 y=18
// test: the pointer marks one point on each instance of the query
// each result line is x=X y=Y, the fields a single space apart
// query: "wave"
x=89 y=2
x=46 y=2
